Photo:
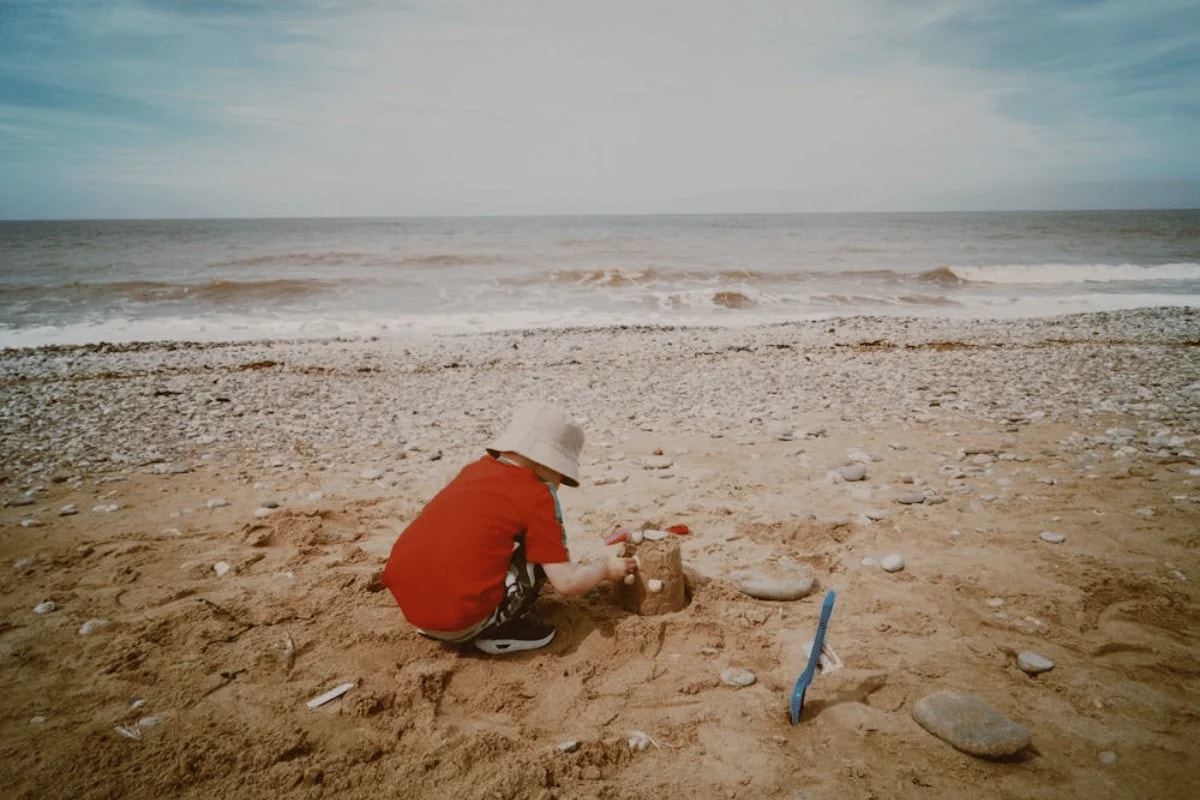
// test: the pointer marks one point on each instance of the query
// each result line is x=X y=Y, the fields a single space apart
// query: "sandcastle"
x=659 y=586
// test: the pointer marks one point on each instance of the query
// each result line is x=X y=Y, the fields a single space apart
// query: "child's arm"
x=570 y=578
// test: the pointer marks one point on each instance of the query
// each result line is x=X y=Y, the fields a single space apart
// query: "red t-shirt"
x=447 y=568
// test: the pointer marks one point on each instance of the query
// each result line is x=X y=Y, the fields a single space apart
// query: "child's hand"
x=617 y=567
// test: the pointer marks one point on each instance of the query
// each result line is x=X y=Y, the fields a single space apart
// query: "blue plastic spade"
x=814 y=658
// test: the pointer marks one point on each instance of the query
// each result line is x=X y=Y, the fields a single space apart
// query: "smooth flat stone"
x=893 y=562
x=853 y=472
x=970 y=725
x=1033 y=663
x=737 y=677
x=911 y=498
x=1052 y=538
x=775 y=581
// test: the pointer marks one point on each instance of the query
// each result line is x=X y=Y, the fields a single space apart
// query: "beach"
x=209 y=520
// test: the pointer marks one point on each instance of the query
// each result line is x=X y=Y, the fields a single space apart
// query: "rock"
x=569 y=746
x=657 y=462
x=68 y=510
x=216 y=502
x=107 y=508
x=1107 y=757
x=1052 y=538
x=785 y=580
x=892 y=562
x=737 y=677
x=853 y=472
x=262 y=512
x=911 y=498
x=653 y=535
x=1033 y=663
x=970 y=725
x=45 y=608
x=221 y=567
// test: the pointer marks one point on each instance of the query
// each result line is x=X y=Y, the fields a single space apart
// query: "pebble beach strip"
x=100 y=408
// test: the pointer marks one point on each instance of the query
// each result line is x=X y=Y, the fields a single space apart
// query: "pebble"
x=911 y=498
x=969 y=724
x=262 y=511
x=269 y=504
x=1034 y=664
x=1052 y=538
x=654 y=585
x=853 y=472
x=1107 y=757
x=892 y=562
x=221 y=567
x=733 y=676
x=45 y=608
x=68 y=510
x=31 y=523
x=216 y=502
x=569 y=746
x=107 y=508
x=91 y=625
x=657 y=462
x=782 y=581
x=653 y=535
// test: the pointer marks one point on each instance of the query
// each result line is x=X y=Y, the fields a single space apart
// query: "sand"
x=197 y=685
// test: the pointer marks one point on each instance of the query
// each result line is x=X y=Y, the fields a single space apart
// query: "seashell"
x=288 y=657
x=653 y=535
x=640 y=740
x=654 y=585
x=129 y=731
x=221 y=567
x=91 y=625
x=332 y=694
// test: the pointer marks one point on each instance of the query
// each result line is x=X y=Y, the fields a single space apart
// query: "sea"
x=81 y=282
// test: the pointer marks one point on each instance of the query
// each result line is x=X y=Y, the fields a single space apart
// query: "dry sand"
x=1085 y=426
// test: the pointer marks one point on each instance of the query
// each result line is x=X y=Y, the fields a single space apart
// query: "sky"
x=264 y=108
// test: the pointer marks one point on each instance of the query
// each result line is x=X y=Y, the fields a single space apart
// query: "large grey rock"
x=782 y=581
x=970 y=725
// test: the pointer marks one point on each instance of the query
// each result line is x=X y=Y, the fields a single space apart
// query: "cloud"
x=364 y=108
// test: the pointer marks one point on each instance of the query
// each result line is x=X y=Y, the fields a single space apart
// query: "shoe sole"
x=496 y=647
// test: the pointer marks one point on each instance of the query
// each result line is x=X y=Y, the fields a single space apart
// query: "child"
x=470 y=566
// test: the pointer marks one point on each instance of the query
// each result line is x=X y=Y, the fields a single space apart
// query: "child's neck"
x=543 y=473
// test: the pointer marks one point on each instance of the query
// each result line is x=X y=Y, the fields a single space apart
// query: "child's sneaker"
x=523 y=633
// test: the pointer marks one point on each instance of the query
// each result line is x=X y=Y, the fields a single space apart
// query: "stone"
x=784 y=580
x=68 y=510
x=657 y=462
x=1034 y=664
x=739 y=678
x=911 y=498
x=216 y=502
x=658 y=561
x=91 y=625
x=221 y=567
x=853 y=472
x=892 y=562
x=45 y=608
x=969 y=724
x=1052 y=538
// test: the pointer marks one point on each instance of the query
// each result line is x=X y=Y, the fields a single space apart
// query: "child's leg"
x=522 y=585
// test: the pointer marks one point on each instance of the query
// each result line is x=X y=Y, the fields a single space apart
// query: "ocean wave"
x=332 y=258
x=1075 y=273
x=217 y=291
x=622 y=277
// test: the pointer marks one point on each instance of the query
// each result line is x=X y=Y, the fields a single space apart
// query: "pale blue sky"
x=228 y=108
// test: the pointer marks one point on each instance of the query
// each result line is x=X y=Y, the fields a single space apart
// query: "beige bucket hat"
x=546 y=434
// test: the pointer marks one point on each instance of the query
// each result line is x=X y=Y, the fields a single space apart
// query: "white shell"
x=220 y=568
x=91 y=625
x=653 y=535
x=639 y=741
x=332 y=694
x=654 y=585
